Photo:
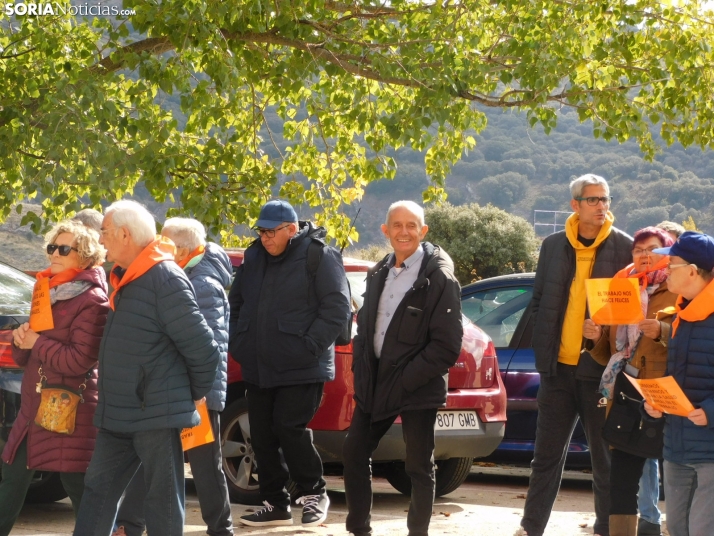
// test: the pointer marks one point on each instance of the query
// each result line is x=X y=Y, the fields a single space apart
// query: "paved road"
x=489 y=503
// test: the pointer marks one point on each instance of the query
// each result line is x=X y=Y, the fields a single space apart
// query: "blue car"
x=500 y=307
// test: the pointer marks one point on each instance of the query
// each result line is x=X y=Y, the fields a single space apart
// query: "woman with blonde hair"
x=54 y=430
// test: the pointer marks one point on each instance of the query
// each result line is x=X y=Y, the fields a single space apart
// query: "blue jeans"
x=116 y=458
x=690 y=495
x=648 y=495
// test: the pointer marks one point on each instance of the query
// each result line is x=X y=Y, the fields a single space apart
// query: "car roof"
x=508 y=279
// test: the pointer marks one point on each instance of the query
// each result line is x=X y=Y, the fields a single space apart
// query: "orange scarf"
x=161 y=249
x=701 y=307
x=195 y=253
x=65 y=276
x=642 y=276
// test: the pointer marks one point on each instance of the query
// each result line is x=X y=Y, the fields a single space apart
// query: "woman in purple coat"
x=67 y=355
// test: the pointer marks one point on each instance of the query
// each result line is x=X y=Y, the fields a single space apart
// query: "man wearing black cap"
x=283 y=325
x=689 y=441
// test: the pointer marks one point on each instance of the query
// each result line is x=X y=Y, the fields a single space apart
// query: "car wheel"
x=45 y=487
x=450 y=474
x=239 y=463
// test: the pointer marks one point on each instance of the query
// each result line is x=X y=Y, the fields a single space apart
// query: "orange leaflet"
x=663 y=394
x=41 y=311
x=614 y=301
x=200 y=434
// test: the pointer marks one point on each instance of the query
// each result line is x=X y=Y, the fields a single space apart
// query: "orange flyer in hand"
x=200 y=434
x=614 y=301
x=663 y=394
x=41 y=309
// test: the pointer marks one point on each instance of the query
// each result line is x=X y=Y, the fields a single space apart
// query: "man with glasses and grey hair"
x=589 y=247
x=157 y=357
x=283 y=324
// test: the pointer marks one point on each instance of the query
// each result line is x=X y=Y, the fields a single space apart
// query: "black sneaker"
x=268 y=515
x=314 y=508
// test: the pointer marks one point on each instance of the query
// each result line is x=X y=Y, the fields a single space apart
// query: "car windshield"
x=15 y=291
x=358 y=284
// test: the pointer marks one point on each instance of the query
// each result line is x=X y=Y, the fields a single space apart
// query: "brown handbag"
x=58 y=405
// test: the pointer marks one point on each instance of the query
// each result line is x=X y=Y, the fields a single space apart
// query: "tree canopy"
x=482 y=241
x=82 y=121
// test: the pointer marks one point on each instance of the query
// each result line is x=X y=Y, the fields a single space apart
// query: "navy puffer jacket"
x=157 y=355
x=691 y=362
x=283 y=322
x=210 y=277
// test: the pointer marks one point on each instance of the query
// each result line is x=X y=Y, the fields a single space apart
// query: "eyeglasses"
x=270 y=233
x=593 y=201
x=671 y=266
x=105 y=231
x=63 y=250
x=648 y=251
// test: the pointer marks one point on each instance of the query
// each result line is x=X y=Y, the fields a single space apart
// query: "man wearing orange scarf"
x=689 y=441
x=157 y=356
x=589 y=246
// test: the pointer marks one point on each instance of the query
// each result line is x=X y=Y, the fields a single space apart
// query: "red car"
x=470 y=426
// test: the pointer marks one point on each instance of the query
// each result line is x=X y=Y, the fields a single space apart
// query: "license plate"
x=456 y=420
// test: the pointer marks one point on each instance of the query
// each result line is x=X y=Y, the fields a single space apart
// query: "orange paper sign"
x=201 y=434
x=41 y=310
x=663 y=394
x=614 y=301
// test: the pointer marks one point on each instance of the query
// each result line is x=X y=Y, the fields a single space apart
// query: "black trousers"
x=362 y=440
x=561 y=400
x=625 y=474
x=278 y=418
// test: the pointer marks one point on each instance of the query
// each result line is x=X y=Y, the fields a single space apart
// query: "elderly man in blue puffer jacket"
x=209 y=270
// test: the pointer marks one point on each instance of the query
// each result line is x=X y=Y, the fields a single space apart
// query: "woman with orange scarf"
x=644 y=347
x=58 y=349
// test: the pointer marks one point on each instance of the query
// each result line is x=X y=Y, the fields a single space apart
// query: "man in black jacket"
x=283 y=325
x=589 y=247
x=408 y=336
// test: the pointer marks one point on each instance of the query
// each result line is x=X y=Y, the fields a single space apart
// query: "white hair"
x=579 y=184
x=135 y=217
x=411 y=206
x=185 y=232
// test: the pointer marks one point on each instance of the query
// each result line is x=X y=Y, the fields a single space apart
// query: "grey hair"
x=671 y=227
x=135 y=217
x=89 y=218
x=185 y=232
x=411 y=206
x=579 y=184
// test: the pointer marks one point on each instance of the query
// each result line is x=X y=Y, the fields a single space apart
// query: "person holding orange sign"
x=644 y=347
x=689 y=441
x=59 y=349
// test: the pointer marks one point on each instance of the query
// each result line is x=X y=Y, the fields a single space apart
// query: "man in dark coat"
x=408 y=336
x=209 y=270
x=283 y=325
x=157 y=358
x=589 y=247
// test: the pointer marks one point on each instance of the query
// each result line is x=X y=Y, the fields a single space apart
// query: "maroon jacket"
x=66 y=353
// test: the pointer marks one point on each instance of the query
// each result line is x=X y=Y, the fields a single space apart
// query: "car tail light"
x=477 y=363
x=6 y=360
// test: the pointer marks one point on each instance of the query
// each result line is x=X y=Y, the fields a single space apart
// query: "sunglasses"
x=63 y=250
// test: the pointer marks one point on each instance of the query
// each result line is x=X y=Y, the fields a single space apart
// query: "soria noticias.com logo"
x=22 y=9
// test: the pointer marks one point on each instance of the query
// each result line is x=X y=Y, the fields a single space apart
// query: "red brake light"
x=6 y=350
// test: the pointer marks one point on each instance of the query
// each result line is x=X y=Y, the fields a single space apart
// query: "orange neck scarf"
x=701 y=307
x=65 y=276
x=642 y=276
x=195 y=253
x=161 y=249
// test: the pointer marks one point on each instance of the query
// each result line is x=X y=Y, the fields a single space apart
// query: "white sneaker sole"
x=322 y=519
x=272 y=523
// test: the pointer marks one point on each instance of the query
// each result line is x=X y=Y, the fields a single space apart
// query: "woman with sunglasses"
x=64 y=353
x=642 y=346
